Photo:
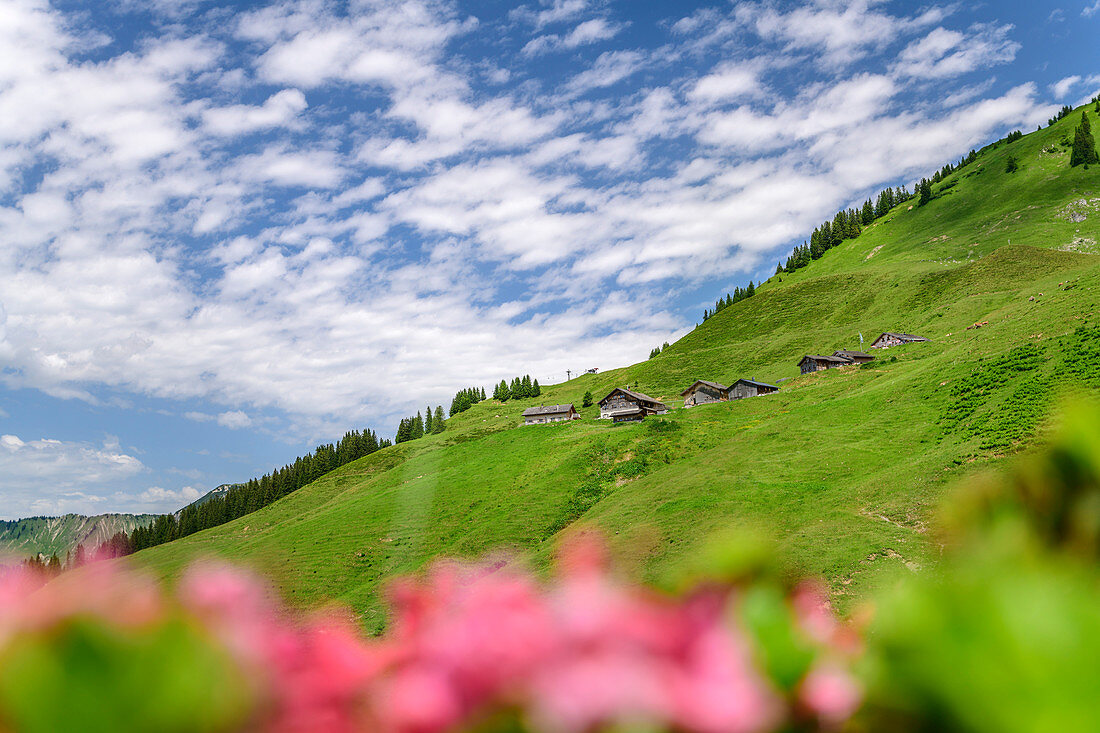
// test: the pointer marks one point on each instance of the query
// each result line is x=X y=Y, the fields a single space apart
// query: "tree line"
x=656 y=351
x=255 y=494
x=519 y=388
x=411 y=428
x=465 y=399
x=721 y=304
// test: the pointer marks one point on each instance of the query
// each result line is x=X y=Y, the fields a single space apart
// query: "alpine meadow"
x=1000 y=270
x=549 y=366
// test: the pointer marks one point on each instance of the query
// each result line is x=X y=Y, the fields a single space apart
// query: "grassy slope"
x=842 y=467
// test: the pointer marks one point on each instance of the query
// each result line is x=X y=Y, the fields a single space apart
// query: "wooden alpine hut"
x=624 y=405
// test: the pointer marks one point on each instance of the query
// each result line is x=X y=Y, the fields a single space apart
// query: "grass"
x=842 y=468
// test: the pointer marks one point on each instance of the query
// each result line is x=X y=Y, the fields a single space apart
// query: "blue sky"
x=231 y=231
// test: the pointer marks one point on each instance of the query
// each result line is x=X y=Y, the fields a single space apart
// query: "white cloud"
x=37 y=473
x=1091 y=10
x=727 y=82
x=559 y=10
x=280 y=109
x=1063 y=87
x=588 y=32
x=945 y=53
x=610 y=68
x=234 y=419
x=157 y=498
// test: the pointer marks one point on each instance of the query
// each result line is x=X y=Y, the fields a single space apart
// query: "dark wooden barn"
x=858 y=357
x=624 y=405
x=815 y=363
x=703 y=392
x=888 y=339
x=750 y=388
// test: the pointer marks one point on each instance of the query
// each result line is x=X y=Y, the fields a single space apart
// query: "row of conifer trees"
x=721 y=304
x=411 y=428
x=519 y=388
x=465 y=399
x=255 y=494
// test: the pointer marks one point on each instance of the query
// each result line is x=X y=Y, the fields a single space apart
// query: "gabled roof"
x=903 y=336
x=754 y=383
x=818 y=357
x=717 y=386
x=631 y=393
x=547 y=410
x=852 y=354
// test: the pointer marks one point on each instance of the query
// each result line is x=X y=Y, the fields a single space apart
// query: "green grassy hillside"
x=841 y=467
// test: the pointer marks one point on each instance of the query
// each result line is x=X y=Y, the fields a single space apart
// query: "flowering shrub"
x=471 y=646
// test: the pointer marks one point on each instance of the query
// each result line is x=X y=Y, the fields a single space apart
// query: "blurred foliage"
x=87 y=674
x=1005 y=635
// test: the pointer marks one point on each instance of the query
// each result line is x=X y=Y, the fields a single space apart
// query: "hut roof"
x=903 y=336
x=717 y=386
x=818 y=357
x=852 y=354
x=630 y=393
x=547 y=410
x=754 y=383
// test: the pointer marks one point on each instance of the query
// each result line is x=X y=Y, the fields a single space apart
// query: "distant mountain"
x=48 y=535
x=215 y=493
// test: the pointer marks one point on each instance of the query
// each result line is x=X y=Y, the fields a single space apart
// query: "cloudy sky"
x=231 y=231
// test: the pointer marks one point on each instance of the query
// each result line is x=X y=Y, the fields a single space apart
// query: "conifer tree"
x=1084 y=145
x=925 y=189
x=438 y=424
x=536 y=390
x=586 y=401
x=428 y=421
x=867 y=215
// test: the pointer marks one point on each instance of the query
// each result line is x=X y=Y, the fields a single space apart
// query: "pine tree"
x=586 y=401
x=1084 y=146
x=925 y=189
x=428 y=421
x=751 y=290
x=437 y=422
x=867 y=215
x=536 y=390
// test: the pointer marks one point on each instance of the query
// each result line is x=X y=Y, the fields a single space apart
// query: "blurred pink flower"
x=830 y=693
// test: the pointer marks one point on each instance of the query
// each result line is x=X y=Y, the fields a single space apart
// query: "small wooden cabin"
x=703 y=392
x=549 y=413
x=886 y=340
x=815 y=363
x=624 y=405
x=743 y=388
x=858 y=357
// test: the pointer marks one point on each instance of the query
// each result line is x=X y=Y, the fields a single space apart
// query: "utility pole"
x=568 y=375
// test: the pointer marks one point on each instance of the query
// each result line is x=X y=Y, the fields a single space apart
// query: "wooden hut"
x=750 y=388
x=703 y=392
x=815 y=363
x=886 y=340
x=549 y=413
x=624 y=405
x=858 y=357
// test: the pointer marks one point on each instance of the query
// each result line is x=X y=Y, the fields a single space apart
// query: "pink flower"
x=830 y=693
